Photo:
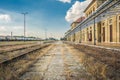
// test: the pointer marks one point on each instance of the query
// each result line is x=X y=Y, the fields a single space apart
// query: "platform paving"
x=56 y=64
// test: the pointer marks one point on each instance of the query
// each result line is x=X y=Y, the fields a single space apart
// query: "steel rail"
x=14 y=44
x=3 y=52
x=8 y=60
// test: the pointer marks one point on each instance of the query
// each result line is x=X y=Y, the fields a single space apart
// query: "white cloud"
x=65 y=1
x=17 y=27
x=76 y=10
x=6 y=30
x=5 y=17
x=10 y=28
x=2 y=28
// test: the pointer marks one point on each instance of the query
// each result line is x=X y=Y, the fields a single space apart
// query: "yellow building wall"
x=91 y=9
x=118 y=28
x=112 y=21
x=73 y=25
x=73 y=38
x=78 y=35
x=68 y=38
x=106 y=31
x=102 y=32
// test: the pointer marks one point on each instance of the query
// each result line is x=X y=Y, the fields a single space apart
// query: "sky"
x=52 y=16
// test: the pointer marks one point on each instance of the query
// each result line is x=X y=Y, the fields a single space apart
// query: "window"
x=90 y=27
x=103 y=15
x=89 y=13
x=119 y=24
x=93 y=9
x=110 y=21
x=103 y=23
x=119 y=31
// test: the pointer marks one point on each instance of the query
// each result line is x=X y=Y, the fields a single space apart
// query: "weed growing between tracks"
x=101 y=64
x=13 y=43
x=13 y=70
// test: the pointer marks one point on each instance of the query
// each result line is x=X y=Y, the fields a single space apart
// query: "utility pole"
x=81 y=26
x=11 y=35
x=80 y=34
x=25 y=13
x=94 y=33
x=81 y=30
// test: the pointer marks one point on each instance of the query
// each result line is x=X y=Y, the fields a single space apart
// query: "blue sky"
x=43 y=14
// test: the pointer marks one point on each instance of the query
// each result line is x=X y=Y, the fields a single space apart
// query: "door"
x=111 y=34
x=99 y=32
x=103 y=34
x=119 y=31
x=90 y=36
x=74 y=38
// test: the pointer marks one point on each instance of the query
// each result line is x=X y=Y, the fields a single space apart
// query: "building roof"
x=80 y=19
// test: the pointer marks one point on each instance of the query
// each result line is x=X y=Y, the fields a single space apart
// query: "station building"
x=101 y=24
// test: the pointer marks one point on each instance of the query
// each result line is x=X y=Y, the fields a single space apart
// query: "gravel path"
x=56 y=64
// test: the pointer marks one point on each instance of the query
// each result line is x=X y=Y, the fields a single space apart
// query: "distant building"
x=18 y=38
x=2 y=37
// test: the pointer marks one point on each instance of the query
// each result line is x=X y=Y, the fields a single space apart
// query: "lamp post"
x=81 y=32
x=116 y=25
x=80 y=27
x=94 y=33
x=11 y=36
x=80 y=35
x=25 y=13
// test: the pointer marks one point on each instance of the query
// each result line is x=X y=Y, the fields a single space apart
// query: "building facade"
x=101 y=24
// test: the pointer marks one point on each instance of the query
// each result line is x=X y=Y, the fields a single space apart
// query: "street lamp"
x=94 y=32
x=80 y=34
x=25 y=13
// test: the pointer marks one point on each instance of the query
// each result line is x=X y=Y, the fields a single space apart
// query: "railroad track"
x=4 y=45
x=20 y=53
x=15 y=49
